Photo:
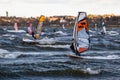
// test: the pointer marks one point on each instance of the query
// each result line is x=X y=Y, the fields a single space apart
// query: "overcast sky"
x=28 y=8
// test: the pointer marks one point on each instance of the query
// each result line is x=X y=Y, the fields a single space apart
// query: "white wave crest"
x=109 y=57
x=60 y=33
x=112 y=33
x=117 y=41
x=9 y=55
x=18 y=31
x=47 y=40
x=7 y=35
x=3 y=51
x=92 y=72
x=55 y=46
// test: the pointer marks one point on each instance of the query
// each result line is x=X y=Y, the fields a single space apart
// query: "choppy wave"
x=55 y=46
x=7 y=35
x=44 y=40
x=7 y=54
x=18 y=31
x=67 y=72
x=47 y=40
x=112 y=33
x=60 y=33
x=109 y=57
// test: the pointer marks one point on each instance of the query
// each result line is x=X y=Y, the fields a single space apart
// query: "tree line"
x=110 y=20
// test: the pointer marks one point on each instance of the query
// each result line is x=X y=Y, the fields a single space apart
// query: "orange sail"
x=39 y=27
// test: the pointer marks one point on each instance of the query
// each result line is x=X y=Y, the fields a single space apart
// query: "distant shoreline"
x=54 y=21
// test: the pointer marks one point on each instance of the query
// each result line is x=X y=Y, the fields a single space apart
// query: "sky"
x=34 y=8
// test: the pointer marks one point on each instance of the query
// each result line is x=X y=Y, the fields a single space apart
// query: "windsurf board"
x=74 y=56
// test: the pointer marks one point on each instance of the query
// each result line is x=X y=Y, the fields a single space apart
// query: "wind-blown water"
x=23 y=61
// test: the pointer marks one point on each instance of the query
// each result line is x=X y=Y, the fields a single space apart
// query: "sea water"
x=48 y=61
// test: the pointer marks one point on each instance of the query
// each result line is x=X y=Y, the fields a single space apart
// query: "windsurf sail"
x=39 y=27
x=104 y=28
x=15 y=27
x=29 y=29
x=63 y=22
x=80 y=34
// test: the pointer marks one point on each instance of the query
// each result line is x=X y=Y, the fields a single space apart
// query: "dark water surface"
x=23 y=61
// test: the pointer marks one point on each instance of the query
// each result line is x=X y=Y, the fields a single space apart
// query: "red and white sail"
x=29 y=28
x=80 y=33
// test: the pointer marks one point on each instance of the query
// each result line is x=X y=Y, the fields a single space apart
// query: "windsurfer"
x=63 y=22
x=36 y=34
x=73 y=48
x=29 y=29
x=15 y=26
x=96 y=27
x=80 y=41
x=104 y=28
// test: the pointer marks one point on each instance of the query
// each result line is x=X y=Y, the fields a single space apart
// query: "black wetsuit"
x=73 y=49
x=33 y=35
